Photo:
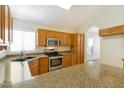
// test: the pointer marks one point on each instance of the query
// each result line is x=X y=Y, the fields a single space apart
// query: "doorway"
x=92 y=46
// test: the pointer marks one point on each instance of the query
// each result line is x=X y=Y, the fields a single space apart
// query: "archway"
x=92 y=44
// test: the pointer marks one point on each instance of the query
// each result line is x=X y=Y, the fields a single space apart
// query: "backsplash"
x=61 y=48
x=2 y=53
x=41 y=50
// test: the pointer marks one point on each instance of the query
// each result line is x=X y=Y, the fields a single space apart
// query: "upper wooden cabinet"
x=42 y=35
x=1 y=24
x=66 y=39
x=6 y=25
x=117 y=30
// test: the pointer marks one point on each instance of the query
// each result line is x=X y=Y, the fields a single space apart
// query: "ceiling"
x=54 y=15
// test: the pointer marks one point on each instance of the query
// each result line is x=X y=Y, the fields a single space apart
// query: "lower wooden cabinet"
x=43 y=65
x=74 y=59
x=67 y=61
x=34 y=67
x=38 y=66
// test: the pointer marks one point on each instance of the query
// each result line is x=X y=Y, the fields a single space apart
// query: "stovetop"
x=51 y=54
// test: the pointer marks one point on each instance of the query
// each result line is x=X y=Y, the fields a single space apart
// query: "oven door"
x=53 y=42
x=55 y=63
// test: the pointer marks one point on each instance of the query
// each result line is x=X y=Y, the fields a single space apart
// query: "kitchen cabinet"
x=81 y=48
x=50 y=33
x=116 y=30
x=104 y=32
x=69 y=39
x=42 y=35
x=74 y=59
x=38 y=66
x=78 y=47
x=6 y=29
x=67 y=61
x=65 y=38
x=11 y=29
x=43 y=65
x=56 y=34
x=1 y=24
x=34 y=67
x=6 y=25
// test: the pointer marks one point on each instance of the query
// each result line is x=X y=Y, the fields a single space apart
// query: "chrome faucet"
x=22 y=54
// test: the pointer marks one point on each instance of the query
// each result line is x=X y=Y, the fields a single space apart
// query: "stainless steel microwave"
x=54 y=42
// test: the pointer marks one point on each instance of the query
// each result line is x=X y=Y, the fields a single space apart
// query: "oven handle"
x=55 y=57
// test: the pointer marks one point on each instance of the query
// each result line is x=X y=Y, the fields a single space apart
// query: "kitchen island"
x=91 y=74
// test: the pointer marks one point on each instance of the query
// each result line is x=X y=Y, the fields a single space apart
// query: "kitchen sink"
x=21 y=59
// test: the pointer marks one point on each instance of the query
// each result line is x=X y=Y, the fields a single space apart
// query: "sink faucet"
x=22 y=54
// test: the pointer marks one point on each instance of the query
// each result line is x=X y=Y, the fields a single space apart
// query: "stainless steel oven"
x=55 y=62
x=53 y=42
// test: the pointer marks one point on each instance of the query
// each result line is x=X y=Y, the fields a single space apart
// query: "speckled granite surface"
x=91 y=75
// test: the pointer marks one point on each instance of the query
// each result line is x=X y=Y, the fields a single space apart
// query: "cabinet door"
x=11 y=29
x=72 y=39
x=7 y=33
x=2 y=23
x=43 y=65
x=78 y=47
x=116 y=30
x=74 y=59
x=67 y=61
x=104 y=32
x=34 y=67
x=69 y=37
x=81 y=48
x=64 y=39
x=42 y=35
x=56 y=34
x=50 y=34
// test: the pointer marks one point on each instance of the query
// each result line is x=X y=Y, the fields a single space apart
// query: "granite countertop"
x=83 y=75
x=12 y=57
x=36 y=55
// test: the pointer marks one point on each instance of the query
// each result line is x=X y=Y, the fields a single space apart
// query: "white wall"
x=112 y=48
x=20 y=24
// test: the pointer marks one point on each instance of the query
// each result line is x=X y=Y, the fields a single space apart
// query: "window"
x=23 y=41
